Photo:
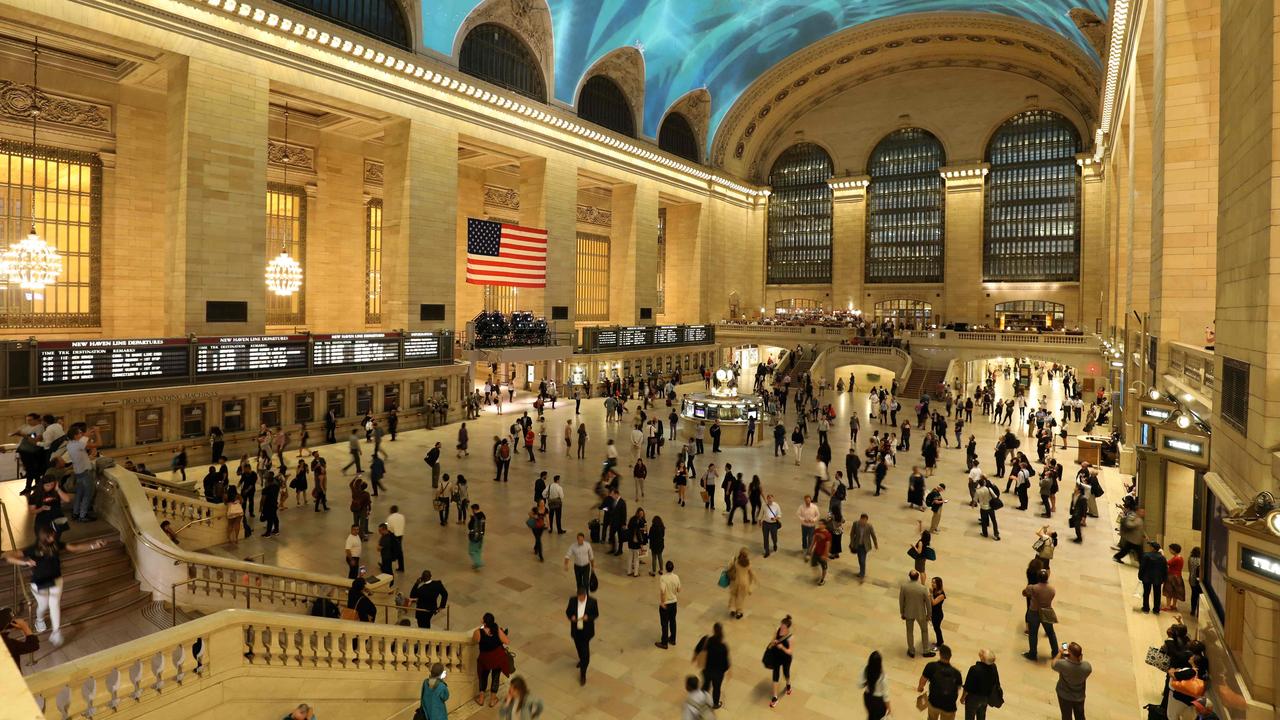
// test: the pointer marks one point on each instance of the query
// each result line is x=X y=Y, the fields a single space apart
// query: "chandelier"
x=284 y=274
x=31 y=264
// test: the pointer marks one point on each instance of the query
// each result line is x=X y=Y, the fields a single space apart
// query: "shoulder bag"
x=1048 y=616
x=1157 y=658
x=995 y=503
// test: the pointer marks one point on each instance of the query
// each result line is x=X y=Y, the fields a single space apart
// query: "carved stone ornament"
x=300 y=158
x=624 y=66
x=498 y=196
x=695 y=106
x=592 y=215
x=373 y=172
x=17 y=100
x=530 y=19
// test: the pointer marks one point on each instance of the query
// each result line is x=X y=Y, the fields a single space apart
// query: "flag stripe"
x=522 y=265
x=503 y=254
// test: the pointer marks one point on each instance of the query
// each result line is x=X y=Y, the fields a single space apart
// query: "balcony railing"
x=1193 y=366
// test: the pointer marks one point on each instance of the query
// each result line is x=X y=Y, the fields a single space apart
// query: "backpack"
x=476 y=533
x=504 y=451
x=945 y=683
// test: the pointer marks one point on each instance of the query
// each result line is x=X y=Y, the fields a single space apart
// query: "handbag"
x=511 y=662
x=1191 y=687
x=1157 y=658
x=347 y=613
x=594 y=583
x=996 y=698
x=768 y=659
x=705 y=496
x=644 y=554
x=995 y=503
x=724 y=578
x=437 y=503
x=922 y=702
x=1048 y=616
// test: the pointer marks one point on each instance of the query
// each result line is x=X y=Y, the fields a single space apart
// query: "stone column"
x=418 y=223
x=470 y=298
x=337 y=239
x=549 y=199
x=848 y=241
x=963 y=299
x=633 y=249
x=217 y=142
x=685 y=231
x=1094 y=253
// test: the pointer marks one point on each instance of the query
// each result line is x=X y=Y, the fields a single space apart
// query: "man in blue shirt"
x=77 y=447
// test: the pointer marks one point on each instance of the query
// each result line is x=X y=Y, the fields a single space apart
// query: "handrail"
x=230 y=644
x=20 y=589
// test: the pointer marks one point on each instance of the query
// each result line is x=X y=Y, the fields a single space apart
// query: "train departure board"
x=423 y=346
x=355 y=349
x=91 y=362
x=601 y=339
x=254 y=354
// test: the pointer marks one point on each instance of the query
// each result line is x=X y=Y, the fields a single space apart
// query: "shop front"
x=1172 y=459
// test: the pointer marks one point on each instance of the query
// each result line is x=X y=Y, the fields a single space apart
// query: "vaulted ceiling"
x=721 y=45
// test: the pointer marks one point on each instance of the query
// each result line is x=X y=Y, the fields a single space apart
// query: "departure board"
x=423 y=346
x=355 y=349
x=599 y=339
x=224 y=355
x=633 y=337
x=666 y=335
x=698 y=334
x=606 y=337
x=107 y=361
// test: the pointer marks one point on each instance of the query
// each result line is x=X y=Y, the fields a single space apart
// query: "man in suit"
x=915 y=608
x=582 y=612
x=1152 y=571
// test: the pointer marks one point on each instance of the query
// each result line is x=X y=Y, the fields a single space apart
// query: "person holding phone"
x=19 y=640
x=45 y=560
x=434 y=695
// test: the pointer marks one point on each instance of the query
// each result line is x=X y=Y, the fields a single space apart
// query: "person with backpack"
x=502 y=460
x=444 y=496
x=944 y=683
x=537 y=523
x=475 y=537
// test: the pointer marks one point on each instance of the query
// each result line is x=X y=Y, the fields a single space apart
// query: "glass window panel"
x=373 y=262
x=57 y=185
x=592 y=292
x=604 y=103
x=286 y=228
x=676 y=136
x=495 y=54
x=905 y=219
x=1033 y=200
x=661 y=280
x=799 y=245
x=382 y=19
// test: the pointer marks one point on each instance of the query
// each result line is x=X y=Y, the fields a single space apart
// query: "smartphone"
x=443 y=673
x=363 y=569
x=1064 y=647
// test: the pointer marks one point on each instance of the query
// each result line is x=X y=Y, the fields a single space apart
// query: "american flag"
x=503 y=254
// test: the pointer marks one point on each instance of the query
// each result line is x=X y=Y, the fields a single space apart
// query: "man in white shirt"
x=583 y=559
x=668 y=594
x=554 y=495
x=975 y=474
x=352 y=552
x=807 y=514
x=77 y=448
x=395 y=523
x=770 y=521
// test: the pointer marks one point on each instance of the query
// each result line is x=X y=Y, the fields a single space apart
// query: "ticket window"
x=390 y=397
x=148 y=426
x=626 y=368
x=233 y=416
x=440 y=388
x=364 y=400
x=417 y=394
x=269 y=411
x=668 y=364
x=193 y=421
x=106 y=426
x=304 y=407
x=335 y=401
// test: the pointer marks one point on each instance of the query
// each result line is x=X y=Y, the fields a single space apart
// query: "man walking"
x=428 y=598
x=934 y=501
x=770 y=523
x=944 y=683
x=582 y=612
x=1040 y=612
x=807 y=514
x=583 y=559
x=353 y=447
x=78 y=445
x=668 y=594
x=395 y=524
x=863 y=539
x=1131 y=534
x=433 y=461
x=352 y=552
x=1073 y=670
x=915 y=608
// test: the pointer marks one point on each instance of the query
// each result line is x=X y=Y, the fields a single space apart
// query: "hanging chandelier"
x=284 y=274
x=31 y=263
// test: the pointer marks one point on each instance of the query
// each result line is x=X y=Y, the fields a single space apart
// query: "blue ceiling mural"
x=722 y=45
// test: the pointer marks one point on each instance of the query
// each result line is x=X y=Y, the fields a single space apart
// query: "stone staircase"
x=95 y=582
x=923 y=380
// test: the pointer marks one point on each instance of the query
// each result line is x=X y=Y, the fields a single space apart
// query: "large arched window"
x=905 y=226
x=799 y=249
x=1033 y=200
x=677 y=137
x=495 y=54
x=914 y=314
x=603 y=103
x=381 y=19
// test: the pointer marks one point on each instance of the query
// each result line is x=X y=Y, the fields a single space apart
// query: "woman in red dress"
x=1175 y=590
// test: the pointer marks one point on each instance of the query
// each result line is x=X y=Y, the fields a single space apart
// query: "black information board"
x=600 y=339
x=228 y=355
x=423 y=346
x=105 y=361
x=355 y=349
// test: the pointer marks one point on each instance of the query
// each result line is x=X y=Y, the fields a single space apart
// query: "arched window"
x=677 y=137
x=495 y=54
x=1033 y=200
x=911 y=314
x=799 y=248
x=1030 y=315
x=905 y=225
x=603 y=103
x=381 y=19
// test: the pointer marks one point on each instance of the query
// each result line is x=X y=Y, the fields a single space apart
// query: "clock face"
x=723 y=375
x=1273 y=522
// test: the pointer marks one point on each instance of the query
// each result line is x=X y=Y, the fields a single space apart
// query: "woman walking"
x=920 y=551
x=491 y=657
x=475 y=538
x=519 y=704
x=708 y=485
x=235 y=516
x=738 y=498
x=741 y=581
x=755 y=496
x=304 y=439
x=778 y=655
x=45 y=560
x=299 y=483
x=875 y=691
x=637 y=538
x=461 y=498
x=682 y=484
x=639 y=472
x=582 y=440
x=657 y=543
x=320 y=472
x=463 y=439
x=537 y=523
x=937 y=596
x=712 y=654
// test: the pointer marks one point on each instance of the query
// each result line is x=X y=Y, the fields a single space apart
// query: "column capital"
x=964 y=174
x=851 y=188
x=1090 y=167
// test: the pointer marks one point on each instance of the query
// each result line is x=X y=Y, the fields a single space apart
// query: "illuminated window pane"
x=62 y=188
x=799 y=247
x=373 y=262
x=497 y=55
x=905 y=219
x=662 y=261
x=383 y=19
x=287 y=228
x=1031 y=315
x=909 y=314
x=592 y=298
x=1032 y=230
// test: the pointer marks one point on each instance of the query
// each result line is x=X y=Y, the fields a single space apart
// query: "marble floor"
x=836 y=625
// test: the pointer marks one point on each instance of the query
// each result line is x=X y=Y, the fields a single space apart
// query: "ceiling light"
x=1183 y=421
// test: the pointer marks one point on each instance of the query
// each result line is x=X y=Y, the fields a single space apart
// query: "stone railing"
x=198 y=523
x=894 y=359
x=1194 y=367
x=237 y=661
x=986 y=337
x=200 y=581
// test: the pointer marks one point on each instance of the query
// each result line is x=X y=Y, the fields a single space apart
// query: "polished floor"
x=836 y=625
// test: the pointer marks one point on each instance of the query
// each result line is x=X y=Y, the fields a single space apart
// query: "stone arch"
x=530 y=20
x=695 y=106
x=624 y=66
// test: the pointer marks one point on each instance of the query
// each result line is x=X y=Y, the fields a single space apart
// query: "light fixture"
x=1154 y=394
x=31 y=263
x=1183 y=421
x=284 y=274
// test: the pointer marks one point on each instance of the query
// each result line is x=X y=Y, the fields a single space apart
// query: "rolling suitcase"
x=594 y=528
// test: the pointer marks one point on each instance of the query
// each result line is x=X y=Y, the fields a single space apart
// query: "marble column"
x=549 y=199
x=633 y=249
x=963 y=297
x=848 y=241
x=337 y=239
